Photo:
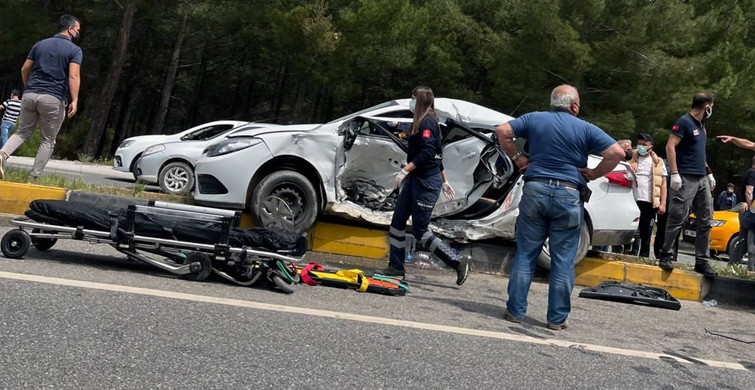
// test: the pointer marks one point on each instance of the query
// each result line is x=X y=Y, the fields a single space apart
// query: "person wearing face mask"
x=691 y=183
x=727 y=199
x=627 y=146
x=423 y=180
x=51 y=76
x=649 y=190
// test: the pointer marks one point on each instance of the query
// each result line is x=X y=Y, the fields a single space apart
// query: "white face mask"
x=708 y=112
x=412 y=104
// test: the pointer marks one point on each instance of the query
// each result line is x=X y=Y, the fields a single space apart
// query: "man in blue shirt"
x=51 y=77
x=551 y=205
x=691 y=184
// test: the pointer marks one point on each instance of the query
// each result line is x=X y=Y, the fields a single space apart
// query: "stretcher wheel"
x=15 y=244
x=41 y=243
x=282 y=283
x=202 y=268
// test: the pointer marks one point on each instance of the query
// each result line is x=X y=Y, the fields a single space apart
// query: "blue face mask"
x=642 y=150
x=412 y=104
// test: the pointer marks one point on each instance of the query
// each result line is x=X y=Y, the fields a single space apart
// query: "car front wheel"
x=176 y=178
x=285 y=200
x=584 y=244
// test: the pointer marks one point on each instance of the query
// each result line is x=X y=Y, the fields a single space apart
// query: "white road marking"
x=360 y=318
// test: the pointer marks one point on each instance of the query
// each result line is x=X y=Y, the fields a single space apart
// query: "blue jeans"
x=417 y=199
x=552 y=212
x=6 y=127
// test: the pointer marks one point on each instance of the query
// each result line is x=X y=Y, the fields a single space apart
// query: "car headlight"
x=153 y=149
x=232 y=145
x=717 y=222
x=126 y=143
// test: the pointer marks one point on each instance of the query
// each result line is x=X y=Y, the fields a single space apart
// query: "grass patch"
x=17 y=175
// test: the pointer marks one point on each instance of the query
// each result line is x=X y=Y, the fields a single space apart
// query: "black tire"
x=285 y=200
x=205 y=266
x=15 y=244
x=736 y=249
x=584 y=245
x=284 y=285
x=42 y=244
x=133 y=166
x=176 y=178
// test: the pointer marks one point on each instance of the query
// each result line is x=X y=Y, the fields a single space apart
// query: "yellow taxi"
x=725 y=229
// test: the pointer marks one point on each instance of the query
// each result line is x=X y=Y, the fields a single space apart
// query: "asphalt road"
x=103 y=175
x=82 y=316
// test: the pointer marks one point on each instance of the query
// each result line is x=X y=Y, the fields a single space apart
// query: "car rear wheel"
x=584 y=244
x=176 y=178
x=285 y=200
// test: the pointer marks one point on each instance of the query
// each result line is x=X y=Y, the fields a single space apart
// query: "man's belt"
x=553 y=182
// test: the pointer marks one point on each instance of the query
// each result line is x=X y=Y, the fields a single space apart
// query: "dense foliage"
x=637 y=63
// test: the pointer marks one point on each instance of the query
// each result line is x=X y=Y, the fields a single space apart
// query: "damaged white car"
x=285 y=176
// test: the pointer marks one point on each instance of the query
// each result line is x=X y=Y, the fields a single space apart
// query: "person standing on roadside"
x=553 y=196
x=726 y=199
x=627 y=146
x=746 y=211
x=425 y=179
x=649 y=190
x=11 y=108
x=51 y=76
x=691 y=184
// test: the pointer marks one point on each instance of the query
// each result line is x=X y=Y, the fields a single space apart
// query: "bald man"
x=552 y=198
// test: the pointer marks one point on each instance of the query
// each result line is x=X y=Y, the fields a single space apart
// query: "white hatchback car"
x=285 y=176
x=171 y=164
x=131 y=149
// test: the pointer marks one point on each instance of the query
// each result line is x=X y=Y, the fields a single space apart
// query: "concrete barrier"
x=372 y=243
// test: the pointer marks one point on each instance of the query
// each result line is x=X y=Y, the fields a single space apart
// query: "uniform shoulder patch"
x=675 y=128
x=426 y=133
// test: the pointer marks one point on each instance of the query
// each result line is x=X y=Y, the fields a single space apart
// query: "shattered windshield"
x=366 y=110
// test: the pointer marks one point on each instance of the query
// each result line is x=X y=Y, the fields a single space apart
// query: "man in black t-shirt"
x=747 y=211
x=691 y=184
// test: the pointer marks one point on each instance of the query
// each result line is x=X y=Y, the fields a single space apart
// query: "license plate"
x=690 y=233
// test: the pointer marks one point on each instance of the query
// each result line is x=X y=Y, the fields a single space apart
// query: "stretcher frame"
x=278 y=266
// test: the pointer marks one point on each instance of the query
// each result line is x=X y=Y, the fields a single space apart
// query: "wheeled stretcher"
x=185 y=240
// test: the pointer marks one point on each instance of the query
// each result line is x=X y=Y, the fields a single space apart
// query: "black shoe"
x=462 y=271
x=508 y=317
x=666 y=264
x=706 y=270
x=390 y=271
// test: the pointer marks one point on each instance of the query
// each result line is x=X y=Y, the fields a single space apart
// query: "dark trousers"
x=417 y=199
x=641 y=245
x=660 y=235
x=696 y=193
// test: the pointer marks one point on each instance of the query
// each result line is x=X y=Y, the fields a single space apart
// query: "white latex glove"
x=676 y=181
x=399 y=178
x=711 y=181
x=448 y=191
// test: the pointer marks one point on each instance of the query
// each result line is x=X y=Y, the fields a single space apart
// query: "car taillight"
x=619 y=178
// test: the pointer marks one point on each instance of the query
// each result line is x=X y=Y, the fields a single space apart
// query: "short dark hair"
x=701 y=99
x=15 y=92
x=67 y=21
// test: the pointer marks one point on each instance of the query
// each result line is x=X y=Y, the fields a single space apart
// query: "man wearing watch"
x=691 y=184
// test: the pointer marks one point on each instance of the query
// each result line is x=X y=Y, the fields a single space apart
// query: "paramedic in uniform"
x=424 y=178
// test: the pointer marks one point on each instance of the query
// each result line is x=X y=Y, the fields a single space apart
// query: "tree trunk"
x=298 y=116
x=170 y=78
x=275 y=108
x=198 y=89
x=102 y=107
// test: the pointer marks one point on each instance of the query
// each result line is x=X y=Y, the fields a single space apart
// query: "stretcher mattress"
x=75 y=214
